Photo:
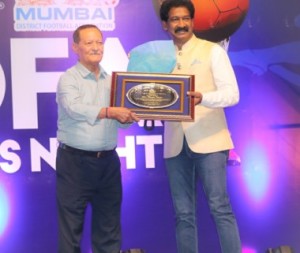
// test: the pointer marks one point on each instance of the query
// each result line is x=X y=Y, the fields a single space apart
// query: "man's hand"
x=122 y=114
x=196 y=95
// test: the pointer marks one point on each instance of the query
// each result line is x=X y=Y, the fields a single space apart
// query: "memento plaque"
x=154 y=95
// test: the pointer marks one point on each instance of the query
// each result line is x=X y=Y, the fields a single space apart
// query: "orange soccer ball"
x=216 y=20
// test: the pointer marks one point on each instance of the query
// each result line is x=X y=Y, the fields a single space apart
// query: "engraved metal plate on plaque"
x=152 y=95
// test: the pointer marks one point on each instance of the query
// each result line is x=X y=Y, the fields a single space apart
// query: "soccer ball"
x=216 y=20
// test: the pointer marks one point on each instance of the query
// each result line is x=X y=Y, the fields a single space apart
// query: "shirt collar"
x=189 y=43
x=84 y=72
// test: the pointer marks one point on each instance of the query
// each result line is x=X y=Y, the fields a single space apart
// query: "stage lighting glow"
x=256 y=171
x=4 y=210
x=249 y=250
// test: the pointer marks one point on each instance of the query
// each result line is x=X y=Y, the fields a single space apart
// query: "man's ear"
x=164 y=25
x=193 y=24
x=75 y=47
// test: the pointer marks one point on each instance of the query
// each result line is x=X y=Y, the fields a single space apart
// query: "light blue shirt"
x=80 y=97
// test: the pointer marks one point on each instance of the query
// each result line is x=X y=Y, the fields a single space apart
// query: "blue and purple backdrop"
x=263 y=177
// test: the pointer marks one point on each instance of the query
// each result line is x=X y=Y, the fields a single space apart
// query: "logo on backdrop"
x=63 y=15
x=2 y=85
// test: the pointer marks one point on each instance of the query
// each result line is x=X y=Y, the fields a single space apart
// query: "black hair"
x=168 y=4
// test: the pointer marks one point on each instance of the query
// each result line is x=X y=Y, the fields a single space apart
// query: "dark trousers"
x=81 y=180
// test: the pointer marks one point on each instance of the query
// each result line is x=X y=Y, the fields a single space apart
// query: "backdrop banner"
x=264 y=173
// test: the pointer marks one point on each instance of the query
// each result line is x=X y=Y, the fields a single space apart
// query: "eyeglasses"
x=176 y=20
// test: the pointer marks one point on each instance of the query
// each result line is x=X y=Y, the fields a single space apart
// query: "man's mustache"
x=184 y=29
x=95 y=53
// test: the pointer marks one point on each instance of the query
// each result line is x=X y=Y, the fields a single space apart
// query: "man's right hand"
x=122 y=114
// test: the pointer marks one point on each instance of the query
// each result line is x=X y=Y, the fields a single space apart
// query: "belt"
x=77 y=151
